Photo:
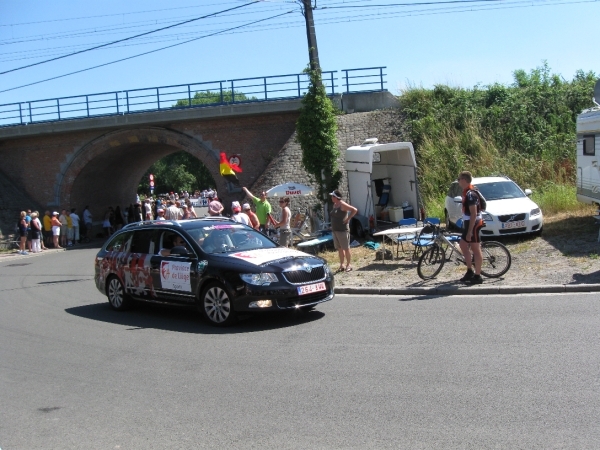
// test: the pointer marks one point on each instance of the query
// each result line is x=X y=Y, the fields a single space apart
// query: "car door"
x=454 y=208
x=137 y=267
x=174 y=277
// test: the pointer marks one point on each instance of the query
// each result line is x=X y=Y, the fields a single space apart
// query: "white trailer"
x=588 y=152
x=387 y=168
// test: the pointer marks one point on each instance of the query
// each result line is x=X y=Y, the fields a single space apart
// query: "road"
x=364 y=373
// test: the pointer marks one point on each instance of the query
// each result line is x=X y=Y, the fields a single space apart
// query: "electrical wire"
x=141 y=54
x=128 y=38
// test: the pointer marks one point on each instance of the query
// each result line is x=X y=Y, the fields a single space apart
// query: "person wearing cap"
x=215 y=207
x=254 y=223
x=161 y=214
x=263 y=208
x=340 y=216
x=238 y=215
x=55 y=229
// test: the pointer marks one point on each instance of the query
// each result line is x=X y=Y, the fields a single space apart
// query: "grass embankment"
x=525 y=130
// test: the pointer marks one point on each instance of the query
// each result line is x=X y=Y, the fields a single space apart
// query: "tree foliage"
x=525 y=130
x=316 y=133
x=214 y=98
x=177 y=172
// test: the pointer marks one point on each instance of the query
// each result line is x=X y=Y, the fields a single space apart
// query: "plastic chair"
x=455 y=237
x=401 y=239
x=426 y=237
x=385 y=196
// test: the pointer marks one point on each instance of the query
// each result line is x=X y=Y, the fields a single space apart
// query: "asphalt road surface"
x=518 y=372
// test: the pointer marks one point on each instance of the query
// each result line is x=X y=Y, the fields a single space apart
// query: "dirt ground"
x=568 y=252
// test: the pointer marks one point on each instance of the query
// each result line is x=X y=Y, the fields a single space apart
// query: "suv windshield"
x=499 y=190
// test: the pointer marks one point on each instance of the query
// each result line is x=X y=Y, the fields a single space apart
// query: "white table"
x=393 y=233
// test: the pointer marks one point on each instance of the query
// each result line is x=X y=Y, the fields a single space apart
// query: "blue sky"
x=420 y=45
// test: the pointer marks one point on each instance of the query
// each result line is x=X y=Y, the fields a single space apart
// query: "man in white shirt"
x=75 y=225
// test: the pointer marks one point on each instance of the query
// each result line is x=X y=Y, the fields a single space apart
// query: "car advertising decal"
x=262 y=256
x=175 y=276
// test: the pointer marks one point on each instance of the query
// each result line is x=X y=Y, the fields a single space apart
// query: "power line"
x=111 y=15
x=128 y=38
x=98 y=30
x=142 y=54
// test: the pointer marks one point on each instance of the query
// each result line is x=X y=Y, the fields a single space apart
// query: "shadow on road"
x=184 y=319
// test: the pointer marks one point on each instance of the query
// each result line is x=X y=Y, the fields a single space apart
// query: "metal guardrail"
x=211 y=93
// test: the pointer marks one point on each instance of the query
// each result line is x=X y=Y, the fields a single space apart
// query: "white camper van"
x=382 y=182
x=588 y=152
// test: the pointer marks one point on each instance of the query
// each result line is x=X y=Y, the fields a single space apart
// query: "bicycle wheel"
x=431 y=262
x=496 y=259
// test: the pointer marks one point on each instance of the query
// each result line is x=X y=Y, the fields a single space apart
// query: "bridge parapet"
x=186 y=96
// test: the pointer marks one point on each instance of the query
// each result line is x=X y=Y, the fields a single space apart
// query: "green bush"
x=525 y=130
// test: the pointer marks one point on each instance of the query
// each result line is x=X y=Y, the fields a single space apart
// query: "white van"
x=382 y=178
x=588 y=152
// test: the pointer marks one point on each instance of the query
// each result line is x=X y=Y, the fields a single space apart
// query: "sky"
x=457 y=43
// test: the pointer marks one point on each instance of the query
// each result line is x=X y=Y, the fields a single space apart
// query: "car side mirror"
x=528 y=192
x=457 y=199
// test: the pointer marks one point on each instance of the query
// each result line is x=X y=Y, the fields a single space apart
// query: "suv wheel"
x=216 y=305
x=118 y=300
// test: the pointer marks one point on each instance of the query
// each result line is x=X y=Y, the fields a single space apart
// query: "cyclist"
x=472 y=223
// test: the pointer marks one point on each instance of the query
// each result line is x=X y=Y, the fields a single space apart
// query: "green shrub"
x=525 y=130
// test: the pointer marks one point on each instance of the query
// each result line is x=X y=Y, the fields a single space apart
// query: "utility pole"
x=313 y=52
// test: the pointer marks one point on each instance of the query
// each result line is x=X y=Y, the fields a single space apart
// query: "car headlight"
x=259 y=279
x=326 y=269
x=535 y=212
x=487 y=217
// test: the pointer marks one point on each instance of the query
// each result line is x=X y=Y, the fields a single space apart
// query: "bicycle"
x=496 y=257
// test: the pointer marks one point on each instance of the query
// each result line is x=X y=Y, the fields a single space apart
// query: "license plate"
x=310 y=288
x=519 y=224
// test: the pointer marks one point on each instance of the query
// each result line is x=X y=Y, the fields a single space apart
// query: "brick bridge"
x=100 y=161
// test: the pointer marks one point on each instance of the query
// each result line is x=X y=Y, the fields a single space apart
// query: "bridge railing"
x=212 y=93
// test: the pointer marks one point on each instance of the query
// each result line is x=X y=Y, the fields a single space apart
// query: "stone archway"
x=106 y=171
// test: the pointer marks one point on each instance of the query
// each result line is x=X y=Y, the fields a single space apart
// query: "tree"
x=213 y=98
x=316 y=133
x=176 y=172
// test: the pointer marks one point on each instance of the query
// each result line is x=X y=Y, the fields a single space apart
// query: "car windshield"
x=229 y=238
x=500 y=190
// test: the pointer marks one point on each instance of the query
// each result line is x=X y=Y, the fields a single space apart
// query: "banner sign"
x=175 y=275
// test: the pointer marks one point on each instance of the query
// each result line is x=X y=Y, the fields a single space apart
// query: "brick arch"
x=106 y=171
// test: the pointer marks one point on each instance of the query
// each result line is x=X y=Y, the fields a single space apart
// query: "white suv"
x=509 y=208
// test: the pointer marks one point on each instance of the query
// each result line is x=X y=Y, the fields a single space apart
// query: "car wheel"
x=216 y=305
x=118 y=300
x=449 y=225
x=359 y=231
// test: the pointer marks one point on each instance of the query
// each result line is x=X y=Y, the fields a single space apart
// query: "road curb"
x=470 y=290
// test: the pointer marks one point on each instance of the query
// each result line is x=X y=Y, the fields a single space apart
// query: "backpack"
x=482 y=200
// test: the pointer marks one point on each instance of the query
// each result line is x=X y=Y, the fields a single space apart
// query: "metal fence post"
x=30 y=118
x=87 y=106
x=127 y=98
x=58 y=108
x=221 y=89
x=20 y=114
x=117 y=101
x=332 y=84
x=347 y=85
x=265 y=84
x=232 y=93
x=381 y=77
x=189 y=96
x=158 y=98
x=298 y=80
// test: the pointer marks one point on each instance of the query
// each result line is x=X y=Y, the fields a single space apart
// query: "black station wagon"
x=221 y=266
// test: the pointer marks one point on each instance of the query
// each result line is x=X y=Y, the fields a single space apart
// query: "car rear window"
x=141 y=241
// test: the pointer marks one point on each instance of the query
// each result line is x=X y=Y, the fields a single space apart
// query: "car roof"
x=483 y=180
x=188 y=223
